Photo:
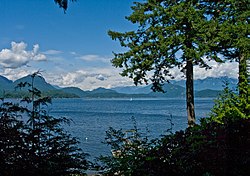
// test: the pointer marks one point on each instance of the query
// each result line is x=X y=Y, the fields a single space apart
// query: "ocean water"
x=92 y=118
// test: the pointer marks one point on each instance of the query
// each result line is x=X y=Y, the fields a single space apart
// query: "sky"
x=72 y=49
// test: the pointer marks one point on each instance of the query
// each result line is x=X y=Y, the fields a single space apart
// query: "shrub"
x=39 y=145
x=210 y=148
x=230 y=104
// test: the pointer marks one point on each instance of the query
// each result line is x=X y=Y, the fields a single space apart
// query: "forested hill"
x=209 y=87
x=209 y=83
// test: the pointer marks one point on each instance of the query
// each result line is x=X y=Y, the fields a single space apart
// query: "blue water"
x=92 y=117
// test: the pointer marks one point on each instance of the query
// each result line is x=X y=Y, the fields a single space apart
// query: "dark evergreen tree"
x=170 y=34
x=13 y=146
x=39 y=143
x=231 y=35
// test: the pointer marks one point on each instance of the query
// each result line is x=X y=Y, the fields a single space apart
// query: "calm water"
x=91 y=118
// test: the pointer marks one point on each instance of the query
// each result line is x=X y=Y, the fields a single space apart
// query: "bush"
x=39 y=145
x=128 y=151
x=230 y=105
x=207 y=149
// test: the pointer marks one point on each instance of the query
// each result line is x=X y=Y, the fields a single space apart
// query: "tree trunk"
x=190 y=93
x=243 y=76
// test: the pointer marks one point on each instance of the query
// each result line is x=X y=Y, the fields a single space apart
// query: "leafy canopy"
x=169 y=34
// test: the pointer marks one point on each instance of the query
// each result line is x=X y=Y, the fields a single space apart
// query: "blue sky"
x=71 y=49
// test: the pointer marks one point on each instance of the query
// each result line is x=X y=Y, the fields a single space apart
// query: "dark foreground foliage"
x=34 y=143
x=218 y=146
x=210 y=149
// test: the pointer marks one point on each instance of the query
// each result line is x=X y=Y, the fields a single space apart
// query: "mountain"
x=101 y=90
x=103 y=93
x=57 y=87
x=133 y=89
x=39 y=83
x=209 y=83
x=7 y=88
x=200 y=84
x=209 y=87
x=5 y=83
x=55 y=91
x=207 y=93
x=4 y=80
x=170 y=91
x=108 y=93
x=75 y=90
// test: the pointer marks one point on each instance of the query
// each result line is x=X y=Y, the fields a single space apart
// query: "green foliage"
x=169 y=34
x=206 y=149
x=231 y=37
x=179 y=34
x=230 y=104
x=12 y=139
x=128 y=151
x=33 y=142
x=231 y=18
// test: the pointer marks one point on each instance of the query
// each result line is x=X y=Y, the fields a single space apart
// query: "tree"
x=229 y=104
x=170 y=34
x=12 y=134
x=231 y=37
x=209 y=148
x=34 y=142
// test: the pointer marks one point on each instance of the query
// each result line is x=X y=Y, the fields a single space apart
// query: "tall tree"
x=38 y=145
x=231 y=37
x=170 y=34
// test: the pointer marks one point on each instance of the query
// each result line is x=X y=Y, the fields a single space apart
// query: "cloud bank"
x=18 y=55
x=91 y=78
x=229 y=69
x=84 y=71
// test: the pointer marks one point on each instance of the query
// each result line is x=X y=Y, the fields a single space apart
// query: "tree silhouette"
x=38 y=145
x=63 y=4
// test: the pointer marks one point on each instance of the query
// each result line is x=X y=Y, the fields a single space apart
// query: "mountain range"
x=209 y=87
x=199 y=84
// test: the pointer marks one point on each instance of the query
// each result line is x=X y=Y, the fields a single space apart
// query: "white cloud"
x=74 y=78
x=229 y=69
x=92 y=78
x=94 y=58
x=17 y=56
x=88 y=75
x=52 y=52
x=17 y=73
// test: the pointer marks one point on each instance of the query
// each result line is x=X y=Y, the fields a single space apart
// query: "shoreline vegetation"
x=169 y=34
x=217 y=146
x=44 y=148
